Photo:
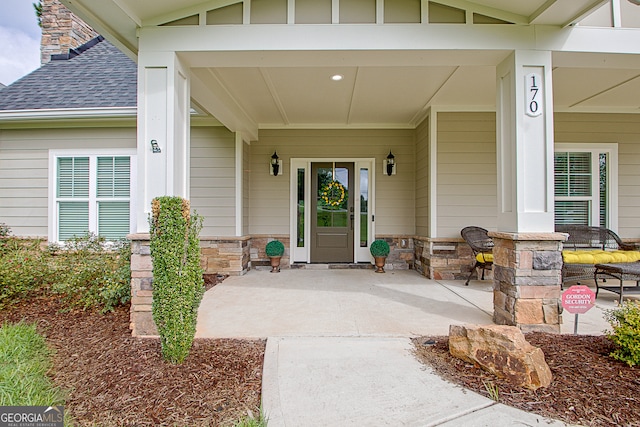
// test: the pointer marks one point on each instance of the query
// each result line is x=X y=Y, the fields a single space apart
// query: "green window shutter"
x=73 y=219
x=73 y=177
x=113 y=177
x=113 y=219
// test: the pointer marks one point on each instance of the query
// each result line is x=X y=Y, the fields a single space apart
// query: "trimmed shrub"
x=24 y=269
x=625 y=321
x=379 y=248
x=90 y=272
x=178 y=285
x=274 y=248
x=86 y=272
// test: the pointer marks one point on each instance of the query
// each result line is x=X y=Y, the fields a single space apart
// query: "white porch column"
x=163 y=130
x=524 y=117
x=526 y=257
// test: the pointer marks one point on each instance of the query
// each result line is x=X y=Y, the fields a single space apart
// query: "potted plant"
x=379 y=250
x=275 y=250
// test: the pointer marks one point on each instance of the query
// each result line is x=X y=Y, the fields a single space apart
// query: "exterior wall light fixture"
x=276 y=165
x=390 y=164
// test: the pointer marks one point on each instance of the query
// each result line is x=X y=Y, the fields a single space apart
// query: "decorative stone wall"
x=400 y=252
x=227 y=255
x=527 y=280
x=444 y=259
x=259 y=258
x=61 y=30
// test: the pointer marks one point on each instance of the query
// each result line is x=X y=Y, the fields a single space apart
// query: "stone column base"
x=527 y=280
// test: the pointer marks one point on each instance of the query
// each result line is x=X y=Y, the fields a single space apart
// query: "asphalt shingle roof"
x=100 y=76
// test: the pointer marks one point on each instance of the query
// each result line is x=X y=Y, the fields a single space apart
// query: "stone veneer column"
x=141 y=319
x=61 y=30
x=527 y=280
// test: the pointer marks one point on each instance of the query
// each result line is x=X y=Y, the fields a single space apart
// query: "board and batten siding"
x=623 y=129
x=213 y=179
x=466 y=172
x=24 y=170
x=395 y=195
x=422 y=178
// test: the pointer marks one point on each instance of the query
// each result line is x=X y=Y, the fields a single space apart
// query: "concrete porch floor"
x=330 y=303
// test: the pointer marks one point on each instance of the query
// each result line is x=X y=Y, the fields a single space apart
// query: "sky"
x=19 y=40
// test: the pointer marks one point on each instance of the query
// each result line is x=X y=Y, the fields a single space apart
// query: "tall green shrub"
x=178 y=284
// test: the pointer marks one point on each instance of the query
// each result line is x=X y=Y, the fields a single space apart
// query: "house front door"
x=332 y=212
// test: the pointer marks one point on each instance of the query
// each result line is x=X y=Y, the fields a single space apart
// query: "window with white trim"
x=586 y=185
x=92 y=193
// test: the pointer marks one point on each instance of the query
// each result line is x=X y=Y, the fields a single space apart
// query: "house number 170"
x=533 y=89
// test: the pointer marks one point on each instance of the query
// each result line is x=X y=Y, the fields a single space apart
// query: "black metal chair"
x=481 y=245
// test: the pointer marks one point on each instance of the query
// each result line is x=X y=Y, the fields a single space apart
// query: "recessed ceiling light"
x=337 y=77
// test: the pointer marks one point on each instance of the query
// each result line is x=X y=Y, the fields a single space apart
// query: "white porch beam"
x=541 y=10
x=388 y=37
x=524 y=137
x=211 y=94
x=589 y=40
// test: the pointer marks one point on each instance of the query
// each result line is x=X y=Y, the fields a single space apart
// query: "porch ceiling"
x=383 y=95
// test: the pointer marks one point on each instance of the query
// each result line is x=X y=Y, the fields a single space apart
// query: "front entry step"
x=333 y=266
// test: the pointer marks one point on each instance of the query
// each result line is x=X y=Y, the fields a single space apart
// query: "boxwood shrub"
x=625 y=321
x=274 y=248
x=178 y=284
x=379 y=248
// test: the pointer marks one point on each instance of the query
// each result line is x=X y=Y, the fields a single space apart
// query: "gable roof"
x=94 y=75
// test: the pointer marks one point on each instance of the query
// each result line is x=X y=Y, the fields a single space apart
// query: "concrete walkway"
x=339 y=350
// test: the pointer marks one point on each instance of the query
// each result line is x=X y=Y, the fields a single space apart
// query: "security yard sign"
x=578 y=299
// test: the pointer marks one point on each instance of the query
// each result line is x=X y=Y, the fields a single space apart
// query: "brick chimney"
x=61 y=30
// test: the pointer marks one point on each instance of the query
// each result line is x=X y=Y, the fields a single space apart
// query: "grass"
x=24 y=363
x=492 y=389
x=251 y=421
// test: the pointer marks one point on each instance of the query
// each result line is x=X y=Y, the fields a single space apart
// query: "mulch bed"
x=588 y=388
x=113 y=379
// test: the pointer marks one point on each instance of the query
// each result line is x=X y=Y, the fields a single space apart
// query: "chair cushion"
x=599 y=257
x=484 y=258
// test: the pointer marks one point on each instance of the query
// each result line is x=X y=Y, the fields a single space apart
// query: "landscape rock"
x=502 y=350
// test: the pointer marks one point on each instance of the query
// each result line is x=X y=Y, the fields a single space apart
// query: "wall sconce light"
x=155 y=148
x=276 y=165
x=390 y=164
